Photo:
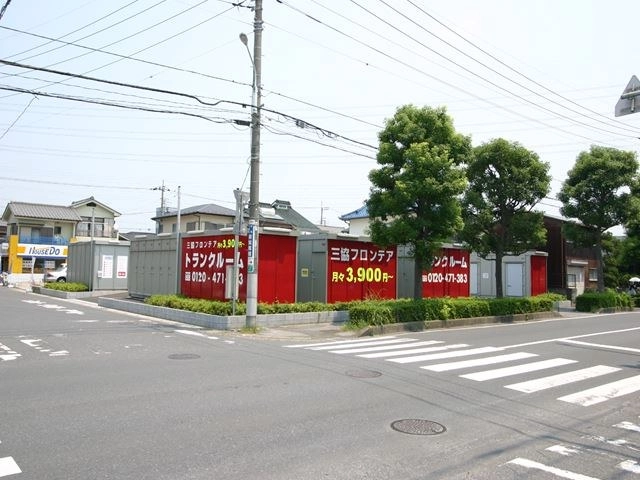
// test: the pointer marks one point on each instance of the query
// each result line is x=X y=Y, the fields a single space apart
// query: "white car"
x=57 y=275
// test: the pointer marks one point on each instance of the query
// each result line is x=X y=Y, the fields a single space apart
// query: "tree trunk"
x=499 y=255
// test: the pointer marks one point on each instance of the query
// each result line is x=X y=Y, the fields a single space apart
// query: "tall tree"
x=506 y=181
x=414 y=198
x=597 y=193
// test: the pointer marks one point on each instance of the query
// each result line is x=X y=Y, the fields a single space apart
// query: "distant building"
x=38 y=235
x=279 y=214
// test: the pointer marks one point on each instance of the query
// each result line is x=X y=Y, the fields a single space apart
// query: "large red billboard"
x=449 y=275
x=360 y=270
x=207 y=263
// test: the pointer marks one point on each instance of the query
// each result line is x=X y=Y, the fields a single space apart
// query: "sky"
x=546 y=74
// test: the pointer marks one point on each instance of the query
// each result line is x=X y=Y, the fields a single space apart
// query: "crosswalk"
x=574 y=461
x=488 y=363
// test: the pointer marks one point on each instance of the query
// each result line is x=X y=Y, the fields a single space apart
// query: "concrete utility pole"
x=254 y=187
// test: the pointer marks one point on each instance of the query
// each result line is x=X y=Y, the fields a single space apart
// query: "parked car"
x=57 y=275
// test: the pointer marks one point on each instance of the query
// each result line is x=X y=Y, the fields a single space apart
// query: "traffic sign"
x=630 y=99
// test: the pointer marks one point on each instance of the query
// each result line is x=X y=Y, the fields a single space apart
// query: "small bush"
x=67 y=286
x=594 y=301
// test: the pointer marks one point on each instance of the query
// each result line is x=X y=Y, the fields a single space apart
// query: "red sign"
x=360 y=270
x=449 y=275
x=207 y=264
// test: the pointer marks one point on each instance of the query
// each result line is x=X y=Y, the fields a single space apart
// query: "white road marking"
x=386 y=347
x=629 y=466
x=8 y=466
x=523 y=462
x=562 y=379
x=86 y=321
x=508 y=371
x=561 y=339
x=359 y=340
x=398 y=353
x=604 y=392
x=563 y=450
x=600 y=345
x=437 y=356
x=195 y=334
x=445 y=367
x=370 y=343
x=628 y=426
x=9 y=355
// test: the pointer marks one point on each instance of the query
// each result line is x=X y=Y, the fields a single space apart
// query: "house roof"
x=83 y=202
x=285 y=211
x=362 y=212
x=207 y=208
x=41 y=211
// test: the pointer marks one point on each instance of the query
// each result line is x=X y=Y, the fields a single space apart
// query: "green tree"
x=506 y=181
x=414 y=198
x=597 y=193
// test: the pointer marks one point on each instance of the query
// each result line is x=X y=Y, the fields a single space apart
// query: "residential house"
x=39 y=234
x=279 y=214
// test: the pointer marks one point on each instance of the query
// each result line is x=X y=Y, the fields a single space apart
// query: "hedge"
x=594 y=301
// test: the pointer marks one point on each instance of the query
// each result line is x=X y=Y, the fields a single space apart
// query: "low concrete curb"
x=456 y=322
x=60 y=294
x=232 y=322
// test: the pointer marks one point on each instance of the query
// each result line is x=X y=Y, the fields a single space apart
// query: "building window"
x=191 y=226
x=593 y=274
x=571 y=280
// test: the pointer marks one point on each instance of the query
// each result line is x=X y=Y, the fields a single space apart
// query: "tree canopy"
x=414 y=198
x=506 y=181
x=598 y=194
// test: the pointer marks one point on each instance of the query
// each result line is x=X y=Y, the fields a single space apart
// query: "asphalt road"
x=89 y=393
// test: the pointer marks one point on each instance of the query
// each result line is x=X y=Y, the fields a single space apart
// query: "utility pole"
x=254 y=186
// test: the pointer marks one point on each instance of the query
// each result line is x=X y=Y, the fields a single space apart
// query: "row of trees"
x=432 y=186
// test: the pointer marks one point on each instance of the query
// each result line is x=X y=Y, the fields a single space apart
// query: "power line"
x=493 y=57
x=18 y=118
x=77 y=30
x=433 y=77
x=298 y=121
x=475 y=74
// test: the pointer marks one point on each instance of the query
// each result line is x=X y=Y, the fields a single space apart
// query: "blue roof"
x=362 y=212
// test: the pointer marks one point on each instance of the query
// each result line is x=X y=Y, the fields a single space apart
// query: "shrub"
x=594 y=301
x=67 y=286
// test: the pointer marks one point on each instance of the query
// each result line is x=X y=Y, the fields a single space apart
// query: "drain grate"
x=363 y=373
x=183 y=356
x=417 y=426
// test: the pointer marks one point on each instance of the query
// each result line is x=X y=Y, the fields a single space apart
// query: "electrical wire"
x=526 y=77
x=18 y=118
x=445 y=57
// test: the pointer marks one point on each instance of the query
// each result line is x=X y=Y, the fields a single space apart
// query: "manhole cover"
x=183 y=356
x=417 y=426
x=363 y=373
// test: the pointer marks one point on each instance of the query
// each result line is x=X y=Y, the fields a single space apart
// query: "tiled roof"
x=208 y=208
x=362 y=212
x=49 y=212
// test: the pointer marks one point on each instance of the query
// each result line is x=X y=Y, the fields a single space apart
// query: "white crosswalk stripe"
x=561 y=379
x=361 y=349
x=8 y=466
x=602 y=393
x=337 y=342
x=412 y=351
x=370 y=343
x=517 y=369
x=444 y=367
x=559 y=472
x=436 y=356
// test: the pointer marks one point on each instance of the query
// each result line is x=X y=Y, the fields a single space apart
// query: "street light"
x=254 y=186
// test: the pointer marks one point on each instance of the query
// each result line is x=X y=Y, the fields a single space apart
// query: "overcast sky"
x=546 y=74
